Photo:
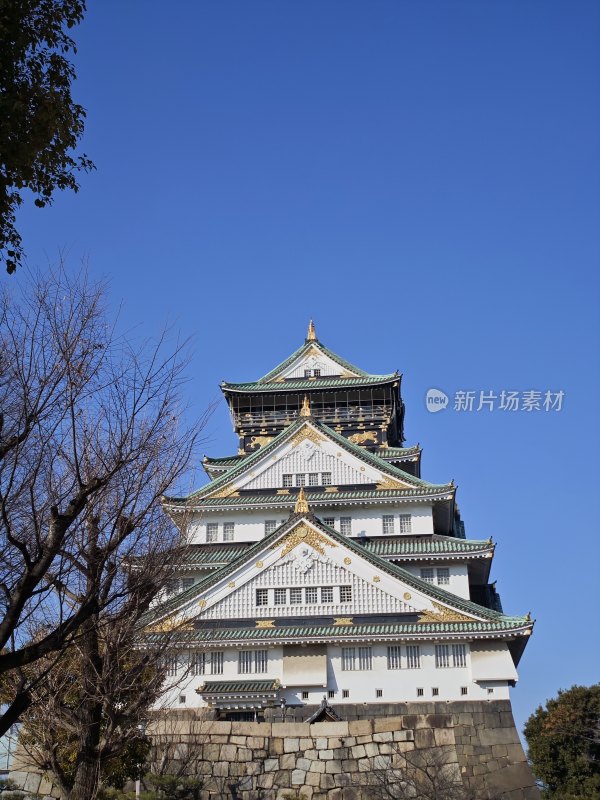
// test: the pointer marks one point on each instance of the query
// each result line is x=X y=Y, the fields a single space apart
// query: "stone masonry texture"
x=476 y=742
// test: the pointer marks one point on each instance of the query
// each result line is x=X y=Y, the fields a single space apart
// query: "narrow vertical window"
x=459 y=655
x=212 y=532
x=228 y=529
x=280 y=597
x=393 y=656
x=327 y=594
x=346 y=526
x=443 y=576
x=313 y=478
x=216 y=662
x=326 y=478
x=405 y=521
x=388 y=524
x=413 y=657
x=295 y=596
x=270 y=526
x=245 y=661
x=260 y=660
x=442 y=656
x=345 y=594
x=262 y=597
x=427 y=574
x=172 y=666
x=198 y=663
x=311 y=595
x=365 y=658
x=300 y=479
x=287 y=481
x=348 y=658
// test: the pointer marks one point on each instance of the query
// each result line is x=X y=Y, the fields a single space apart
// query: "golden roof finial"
x=305 y=409
x=311 y=335
x=301 y=504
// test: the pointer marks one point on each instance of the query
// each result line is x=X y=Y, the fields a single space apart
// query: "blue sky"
x=421 y=178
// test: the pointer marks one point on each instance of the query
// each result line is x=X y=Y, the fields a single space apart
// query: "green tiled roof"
x=428 y=589
x=308 y=344
x=398 y=452
x=225 y=461
x=219 y=555
x=305 y=385
x=355 y=449
x=239 y=687
x=360 y=631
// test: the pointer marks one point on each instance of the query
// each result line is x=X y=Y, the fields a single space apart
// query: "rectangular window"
x=216 y=662
x=212 y=532
x=280 y=597
x=300 y=479
x=307 y=373
x=245 y=661
x=378 y=692
x=327 y=594
x=305 y=695
x=464 y=690
x=172 y=666
x=459 y=655
x=326 y=478
x=348 y=658
x=388 y=524
x=287 y=481
x=413 y=656
x=331 y=693
x=393 y=656
x=345 y=693
x=182 y=699
x=198 y=663
x=443 y=575
x=405 y=523
x=311 y=594
x=317 y=373
x=228 y=529
x=345 y=594
x=186 y=583
x=420 y=692
x=262 y=597
x=427 y=574
x=365 y=658
x=270 y=526
x=435 y=691
x=490 y=690
x=295 y=596
x=329 y=521
x=313 y=478
x=346 y=526
x=260 y=660
x=442 y=656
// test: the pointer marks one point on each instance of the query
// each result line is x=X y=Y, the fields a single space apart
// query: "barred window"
x=300 y=479
x=260 y=660
x=228 y=529
x=313 y=478
x=327 y=594
x=345 y=594
x=346 y=526
x=442 y=656
x=393 y=656
x=348 y=658
x=378 y=692
x=262 y=597
x=427 y=574
x=329 y=521
x=365 y=658
x=326 y=478
x=435 y=691
x=405 y=523
x=212 y=532
x=280 y=597
x=459 y=655
x=420 y=692
x=295 y=596
x=311 y=594
x=464 y=690
x=413 y=656
x=331 y=693
x=346 y=693
x=270 y=526
x=443 y=575
x=172 y=666
x=198 y=663
x=287 y=481
x=388 y=524
x=216 y=662
x=245 y=661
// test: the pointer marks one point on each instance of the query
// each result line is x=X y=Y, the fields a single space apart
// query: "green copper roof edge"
x=305 y=385
x=434 y=592
x=393 y=452
x=355 y=449
x=302 y=349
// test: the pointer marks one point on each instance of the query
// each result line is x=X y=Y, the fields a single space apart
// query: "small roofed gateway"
x=325 y=574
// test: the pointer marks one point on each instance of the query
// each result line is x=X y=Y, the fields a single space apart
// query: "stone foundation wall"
x=473 y=743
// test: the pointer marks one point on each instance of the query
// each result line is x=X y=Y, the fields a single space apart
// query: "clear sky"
x=421 y=178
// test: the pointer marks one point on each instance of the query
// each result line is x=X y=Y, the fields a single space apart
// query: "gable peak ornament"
x=305 y=409
x=311 y=335
x=301 y=506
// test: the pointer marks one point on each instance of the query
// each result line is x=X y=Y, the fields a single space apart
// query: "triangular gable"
x=313 y=349
x=309 y=446
x=306 y=537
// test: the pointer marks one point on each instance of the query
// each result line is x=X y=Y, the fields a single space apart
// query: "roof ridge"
x=308 y=344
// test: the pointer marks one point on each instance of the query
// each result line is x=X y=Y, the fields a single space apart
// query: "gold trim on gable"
x=302 y=534
x=265 y=623
x=306 y=432
x=443 y=614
